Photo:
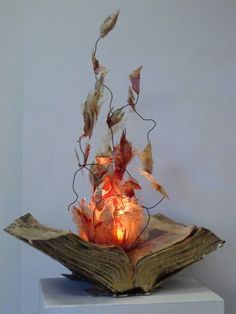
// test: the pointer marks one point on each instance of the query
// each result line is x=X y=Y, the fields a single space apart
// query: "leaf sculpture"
x=146 y=158
x=157 y=186
x=115 y=245
x=109 y=23
x=135 y=80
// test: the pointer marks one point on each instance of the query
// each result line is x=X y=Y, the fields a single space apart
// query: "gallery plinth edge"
x=179 y=295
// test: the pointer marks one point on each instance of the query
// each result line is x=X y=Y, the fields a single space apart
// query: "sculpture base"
x=179 y=295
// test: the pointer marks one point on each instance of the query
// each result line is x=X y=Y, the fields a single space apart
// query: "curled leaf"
x=123 y=154
x=131 y=98
x=135 y=80
x=90 y=113
x=109 y=23
x=115 y=117
x=95 y=63
x=97 y=68
x=132 y=184
x=157 y=186
x=99 y=85
x=146 y=158
x=96 y=174
x=129 y=186
x=86 y=153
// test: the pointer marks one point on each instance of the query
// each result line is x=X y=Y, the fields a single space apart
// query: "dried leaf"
x=107 y=184
x=132 y=184
x=86 y=153
x=96 y=174
x=129 y=186
x=146 y=158
x=99 y=85
x=103 y=160
x=123 y=154
x=95 y=62
x=106 y=217
x=109 y=23
x=135 y=80
x=131 y=99
x=90 y=113
x=114 y=118
x=82 y=217
x=98 y=200
x=97 y=67
x=157 y=186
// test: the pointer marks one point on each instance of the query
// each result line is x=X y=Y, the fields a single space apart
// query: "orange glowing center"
x=119 y=234
x=113 y=215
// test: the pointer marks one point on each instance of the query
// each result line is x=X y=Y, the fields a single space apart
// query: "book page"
x=169 y=233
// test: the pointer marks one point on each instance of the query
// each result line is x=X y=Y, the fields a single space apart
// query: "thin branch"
x=96 y=45
x=73 y=188
x=145 y=227
x=155 y=205
x=149 y=216
x=147 y=119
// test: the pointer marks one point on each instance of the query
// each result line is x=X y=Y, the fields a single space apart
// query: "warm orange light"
x=113 y=215
x=120 y=234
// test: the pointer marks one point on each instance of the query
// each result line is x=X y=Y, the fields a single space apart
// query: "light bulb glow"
x=120 y=234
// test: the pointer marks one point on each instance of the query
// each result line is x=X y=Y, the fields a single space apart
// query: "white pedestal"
x=179 y=295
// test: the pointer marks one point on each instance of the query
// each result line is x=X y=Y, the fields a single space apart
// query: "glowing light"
x=113 y=215
x=120 y=234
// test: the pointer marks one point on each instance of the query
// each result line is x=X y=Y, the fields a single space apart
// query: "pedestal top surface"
x=62 y=292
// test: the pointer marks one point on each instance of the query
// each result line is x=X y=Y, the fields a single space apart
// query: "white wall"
x=187 y=48
x=11 y=105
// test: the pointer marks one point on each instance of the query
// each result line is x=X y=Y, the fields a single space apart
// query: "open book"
x=170 y=247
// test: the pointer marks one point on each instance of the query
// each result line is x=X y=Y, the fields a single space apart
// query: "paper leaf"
x=129 y=186
x=86 y=153
x=131 y=99
x=135 y=80
x=123 y=154
x=103 y=160
x=95 y=63
x=146 y=158
x=132 y=184
x=114 y=118
x=90 y=113
x=97 y=68
x=96 y=174
x=157 y=186
x=109 y=23
x=99 y=85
